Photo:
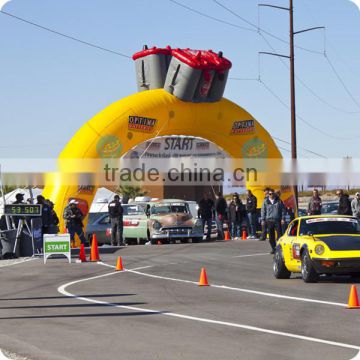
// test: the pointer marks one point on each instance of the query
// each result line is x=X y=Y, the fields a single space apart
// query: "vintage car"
x=319 y=244
x=135 y=225
x=171 y=220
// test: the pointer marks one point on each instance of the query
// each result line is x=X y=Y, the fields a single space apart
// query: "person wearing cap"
x=54 y=220
x=116 y=218
x=355 y=205
x=73 y=220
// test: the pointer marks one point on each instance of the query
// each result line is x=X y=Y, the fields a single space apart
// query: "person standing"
x=73 y=220
x=45 y=214
x=315 y=204
x=220 y=211
x=116 y=218
x=54 y=220
x=251 y=211
x=19 y=200
x=344 y=203
x=235 y=216
x=273 y=215
x=205 y=213
x=263 y=224
x=355 y=205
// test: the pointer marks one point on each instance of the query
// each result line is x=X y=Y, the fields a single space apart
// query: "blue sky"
x=50 y=85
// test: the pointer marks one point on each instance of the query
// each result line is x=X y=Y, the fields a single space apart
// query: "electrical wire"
x=262 y=30
x=210 y=17
x=64 y=35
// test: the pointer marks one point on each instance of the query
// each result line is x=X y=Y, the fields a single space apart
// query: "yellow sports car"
x=319 y=244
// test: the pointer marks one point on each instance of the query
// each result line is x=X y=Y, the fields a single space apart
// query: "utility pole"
x=291 y=57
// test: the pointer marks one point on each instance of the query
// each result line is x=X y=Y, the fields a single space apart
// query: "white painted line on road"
x=6 y=263
x=255 y=292
x=2 y=356
x=113 y=267
x=62 y=290
x=250 y=255
x=357 y=357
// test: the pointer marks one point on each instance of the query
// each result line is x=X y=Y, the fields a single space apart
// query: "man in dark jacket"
x=315 y=204
x=263 y=224
x=236 y=212
x=344 y=203
x=205 y=213
x=45 y=214
x=116 y=218
x=73 y=220
x=221 y=212
x=273 y=215
x=251 y=211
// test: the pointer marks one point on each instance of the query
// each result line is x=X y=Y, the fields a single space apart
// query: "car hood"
x=340 y=242
x=174 y=219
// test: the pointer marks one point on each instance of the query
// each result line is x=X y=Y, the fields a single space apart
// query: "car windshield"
x=169 y=208
x=133 y=210
x=330 y=226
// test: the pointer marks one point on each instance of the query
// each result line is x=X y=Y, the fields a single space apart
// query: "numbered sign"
x=23 y=209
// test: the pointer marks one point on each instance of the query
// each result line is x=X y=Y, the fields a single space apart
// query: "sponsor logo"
x=142 y=124
x=203 y=145
x=109 y=146
x=254 y=148
x=243 y=127
x=86 y=189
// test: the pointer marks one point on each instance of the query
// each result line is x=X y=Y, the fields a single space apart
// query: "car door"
x=295 y=245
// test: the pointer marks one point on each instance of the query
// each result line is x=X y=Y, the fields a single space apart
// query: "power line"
x=307 y=87
x=302 y=119
x=64 y=35
x=210 y=17
x=262 y=30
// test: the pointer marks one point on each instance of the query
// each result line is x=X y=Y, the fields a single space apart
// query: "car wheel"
x=308 y=272
x=279 y=267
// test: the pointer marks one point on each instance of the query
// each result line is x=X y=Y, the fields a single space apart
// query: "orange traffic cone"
x=82 y=255
x=227 y=235
x=353 y=298
x=119 y=264
x=203 y=278
x=94 y=253
x=244 y=235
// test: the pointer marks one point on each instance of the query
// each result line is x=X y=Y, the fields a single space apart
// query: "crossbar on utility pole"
x=292 y=79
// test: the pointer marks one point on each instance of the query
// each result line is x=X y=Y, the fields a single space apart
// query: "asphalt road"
x=157 y=310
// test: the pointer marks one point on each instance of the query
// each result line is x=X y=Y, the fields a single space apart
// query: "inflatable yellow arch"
x=153 y=113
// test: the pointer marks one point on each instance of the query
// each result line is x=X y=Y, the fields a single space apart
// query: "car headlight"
x=156 y=225
x=319 y=249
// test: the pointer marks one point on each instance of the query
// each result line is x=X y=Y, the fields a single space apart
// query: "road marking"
x=15 y=262
x=242 y=256
x=62 y=290
x=262 y=293
x=2 y=356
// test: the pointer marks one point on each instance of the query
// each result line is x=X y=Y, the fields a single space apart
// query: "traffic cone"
x=203 y=278
x=119 y=264
x=353 y=298
x=82 y=255
x=94 y=253
x=244 y=235
x=227 y=235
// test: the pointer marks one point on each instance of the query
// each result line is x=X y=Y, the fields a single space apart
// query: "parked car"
x=330 y=207
x=319 y=244
x=135 y=225
x=170 y=220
